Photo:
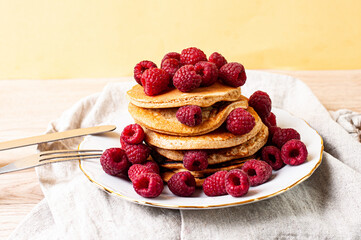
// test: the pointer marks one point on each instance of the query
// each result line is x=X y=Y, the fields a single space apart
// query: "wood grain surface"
x=27 y=106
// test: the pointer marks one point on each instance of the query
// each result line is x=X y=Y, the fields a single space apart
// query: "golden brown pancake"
x=220 y=138
x=202 y=96
x=163 y=120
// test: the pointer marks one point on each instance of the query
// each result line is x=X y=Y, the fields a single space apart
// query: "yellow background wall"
x=95 y=38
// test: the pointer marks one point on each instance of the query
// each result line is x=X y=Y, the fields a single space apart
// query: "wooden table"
x=27 y=106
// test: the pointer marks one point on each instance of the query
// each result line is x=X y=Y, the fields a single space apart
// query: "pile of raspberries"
x=187 y=71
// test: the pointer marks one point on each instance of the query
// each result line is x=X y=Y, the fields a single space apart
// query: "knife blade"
x=55 y=136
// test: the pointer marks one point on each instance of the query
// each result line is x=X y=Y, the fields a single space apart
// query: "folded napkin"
x=326 y=206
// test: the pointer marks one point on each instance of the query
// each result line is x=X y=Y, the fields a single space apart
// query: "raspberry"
x=186 y=79
x=140 y=68
x=195 y=160
x=133 y=134
x=271 y=132
x=294 y=152
x=258 y=171
x=192 y=55
x=217 y=59
x=237 y=183
x=152 y=166
x=174 y=55
x=214 y=185
x=123 y=143
x=171 y=66
x=136 y=170
x=148 y=185
x=272 y=156
x=233 y=74
x=208 y=71
x=137 y=153
x=239 y=121
x=189 y=115
x=261 y=103
x=282 y=135
x=270 y=121
x=155 y=81
x=182 y=184
x=114 y=161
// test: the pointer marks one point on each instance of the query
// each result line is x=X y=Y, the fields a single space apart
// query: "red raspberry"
x=282 y=135
x=294 y=152
x=208 y=71
x=272 y=156
x=217 y=59
x=195 y=160
x=140 y=68
x=155 y=81
x=237 y=183
x=137 y=153
x=152 y=166
x=186 y=79
x=149 y=185
x=258 y=171
x=114 y=161
x=239 y=121
x=174 y=55
x=261 y=103
x=171 y=66
x=192 y=55
x=271 y=132
x=270 y=121
x=233 y=74
x=137 y=169
x=215 y=185
x=133 y=134
x=182 y=184
x=190 y=115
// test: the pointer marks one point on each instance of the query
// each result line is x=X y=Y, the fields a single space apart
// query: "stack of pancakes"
x=170 y=139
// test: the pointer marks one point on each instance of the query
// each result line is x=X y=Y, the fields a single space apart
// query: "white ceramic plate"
x=281 y=180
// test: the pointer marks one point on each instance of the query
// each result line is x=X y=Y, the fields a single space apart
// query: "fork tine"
x=68 y=151
x=68 y=155
x=67 y=159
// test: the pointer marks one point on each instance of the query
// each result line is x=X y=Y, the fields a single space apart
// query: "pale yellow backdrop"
x=94 y=38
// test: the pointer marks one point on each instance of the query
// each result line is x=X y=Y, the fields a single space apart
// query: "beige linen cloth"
x=326 y=206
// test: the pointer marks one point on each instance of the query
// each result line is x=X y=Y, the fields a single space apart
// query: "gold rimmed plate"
x=281 y=180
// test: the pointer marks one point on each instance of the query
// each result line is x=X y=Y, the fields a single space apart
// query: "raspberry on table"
x=282 y=135
x=233 y=74
x=237 y=183
x=171 y=65
x=152 y=166
x=272 y=156
x=190 y=115
x=155 y=81
x=294 y=152
x=191 y=56
x=186 y=79
x=208 y=71
x=136 y=170
x=149 y=185
x=215 y=185
x=114 y=161
x=217 y=59
x=137 y=153
x=174 y=55
x=258 y=171
x=133 y=134
x=261 y=103
x=270 y=121
x=182 y=184
x=239 y=121
x=195 y=160
x=140 y=68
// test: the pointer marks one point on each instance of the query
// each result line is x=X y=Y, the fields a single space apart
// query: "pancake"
x=220 y=138
x=202 y=96
x=216 y=156
x=163 y=120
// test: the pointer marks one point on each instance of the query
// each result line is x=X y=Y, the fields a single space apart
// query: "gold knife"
x=55 y=136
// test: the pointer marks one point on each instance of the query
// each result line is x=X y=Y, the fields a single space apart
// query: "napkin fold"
x=326 y=206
